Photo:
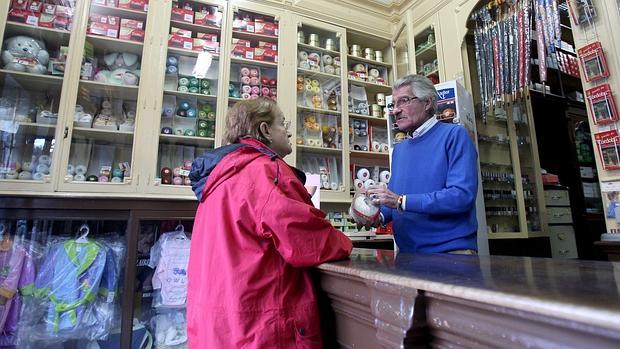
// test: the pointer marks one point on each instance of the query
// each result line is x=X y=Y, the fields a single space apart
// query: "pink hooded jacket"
x=255 y=235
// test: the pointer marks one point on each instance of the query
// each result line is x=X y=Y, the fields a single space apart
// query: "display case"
x=400 y=45
x=427 y=52
x=35 y=42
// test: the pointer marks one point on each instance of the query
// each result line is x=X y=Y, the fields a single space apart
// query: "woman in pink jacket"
x=255 y=235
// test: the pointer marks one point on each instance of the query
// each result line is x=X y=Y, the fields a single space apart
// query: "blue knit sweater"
x=438 y=174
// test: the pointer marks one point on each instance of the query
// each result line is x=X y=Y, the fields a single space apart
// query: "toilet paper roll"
x=80 y=170
x=38 y=176
x=325 y=185
x=363 y=174
x=43 y=169
x=384 y=176
x=368 y=183
x=376 y=146
x=358 y=183
x=70 y=169
x=45 y=159
x=79 y=178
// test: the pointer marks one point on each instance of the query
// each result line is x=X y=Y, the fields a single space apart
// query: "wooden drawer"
x=559 y=215
x=557 y=198
x=562 y=239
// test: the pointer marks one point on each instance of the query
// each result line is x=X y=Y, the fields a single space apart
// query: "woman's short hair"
x=421 y=87
x=245 y=117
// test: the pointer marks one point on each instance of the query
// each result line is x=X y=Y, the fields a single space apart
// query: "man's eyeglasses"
x=401 y=102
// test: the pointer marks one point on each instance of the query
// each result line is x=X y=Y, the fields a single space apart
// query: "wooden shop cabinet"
x=428 y=48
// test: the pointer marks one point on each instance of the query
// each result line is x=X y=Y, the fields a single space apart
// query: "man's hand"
x=381 y=195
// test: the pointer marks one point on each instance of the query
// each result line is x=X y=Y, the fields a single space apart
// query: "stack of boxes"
x=205 y=15
x=45 y=14
x=182 y=38
x=116 y=27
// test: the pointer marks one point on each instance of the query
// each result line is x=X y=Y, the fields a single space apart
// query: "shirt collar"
x=427 y=125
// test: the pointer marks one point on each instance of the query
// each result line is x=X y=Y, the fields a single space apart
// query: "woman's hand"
x=381 y=195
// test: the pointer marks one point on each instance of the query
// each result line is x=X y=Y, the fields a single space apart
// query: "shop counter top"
x=381 y=300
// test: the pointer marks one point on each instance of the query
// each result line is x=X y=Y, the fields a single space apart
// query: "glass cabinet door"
x=319 y=137
x=426 y=61
x=106 y=109
x=401 y=53
x=498 y=178
x=189 y=106
x=35 y=48
x=68 y=280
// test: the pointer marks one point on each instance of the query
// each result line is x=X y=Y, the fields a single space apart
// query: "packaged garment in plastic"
x=170 y=255
x=169 y=330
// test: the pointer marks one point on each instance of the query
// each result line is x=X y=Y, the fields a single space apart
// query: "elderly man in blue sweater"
x=431 y=196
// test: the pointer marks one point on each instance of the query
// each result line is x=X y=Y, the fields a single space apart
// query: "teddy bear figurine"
x=25 y=54
x=317 y=101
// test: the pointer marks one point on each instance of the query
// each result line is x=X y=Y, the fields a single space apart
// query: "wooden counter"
x=440 y=300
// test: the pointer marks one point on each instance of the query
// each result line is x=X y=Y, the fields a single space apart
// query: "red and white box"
x=265 y=54
x=180 y=42
x=62 y=23
x=104 y=25
x=241 y=42
x=19 y=4
x=47 y=20
x=601 y=103
x=64 y=11
x=49 y=9
x=262 y=26
x=207 y=36
x=182 y=15
x=132 y=23
x=35 y=6
x=23 y=16
x=608 y=143
x=138 y=5
x=131 y=33
x=181 y=32
x=206 y=45
x=269 y=45
x=593 y=62
x=103 y=19
x=208 y=15
x=243 y=23
x=243 y=52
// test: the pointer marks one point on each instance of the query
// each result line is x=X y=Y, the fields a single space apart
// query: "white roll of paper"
x=384 y=176
x=363 y=174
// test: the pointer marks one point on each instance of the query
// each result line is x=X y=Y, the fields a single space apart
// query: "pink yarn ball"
x=246 y=89
x=245 y=71
x=177 y=180
x=254 y=73
x=254 y=81
x=264 y=91
x=245 y=80
x=245 y=95
x=255 y=90
x=253 y=96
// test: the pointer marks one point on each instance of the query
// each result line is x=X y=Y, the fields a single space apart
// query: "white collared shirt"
x=427 y=125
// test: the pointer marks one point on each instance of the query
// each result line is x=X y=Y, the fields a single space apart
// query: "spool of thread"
x=166 y=130
x=92 y=178
x=172 y=61
x=301 y=37
x=245 y=95
x=379 y=56
x=368 y=183
x=385 y=148
x=245 y=71
x=376 y=110
x=246 y=89
x=117 y=172
x=358 y=183
x=205 y=84
x=79 y=178
x=324 y=177
x=202 y=114
x=363 y=174
x=325 y=185
x=176 y=172
x=171 y=69
x=302 y=55
x=38 y=176
x=189 y=132
x=329 y=44
x=191 y=113
x=45 y=159
x=203 y=123
x=183 y=89
x=177 y=181
x=245 y=80
x=184 y=105
x=166 y=175
x=202 y=133
x=193 y=82
x=193 y=89
x=70 y=169
x=380 y=97
x=117 y=180
x=384 y=176
x=369 y=54
x=356 y=50
x=12 y=175
x=376 y=146
x=80 y=170
x=104 y=179
x=264 y=91
x=182 y=113
x=183 y=82
x=187 y=181
x=314 y=40
x=255 y=90
x=334 y=186
x=211 y=115
x=254 y=95
x=43 y=168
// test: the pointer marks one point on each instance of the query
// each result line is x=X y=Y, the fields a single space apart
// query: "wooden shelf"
x=33 y=128
x=314 y=74
x=254 y=62
x=319 y=111
x=320 y=150
x=195 y=28
x=101 y=89
x=253 y=36
x=115 y=45
x=49 y=35
x=107 y=136
x=186 y=140
x=117 y=11
x=371 y=155
x=189 y=94
x=371 y=119
x=372 y=88
x=427 y=54
x=189 y=53
x=434 y=72
x=30 y=82
x=369 y=61
x=306 y=47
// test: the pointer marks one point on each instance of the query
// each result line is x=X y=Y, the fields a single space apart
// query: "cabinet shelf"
x=117 y=11
x=253 y=62
x=196 y=28
x=319 y=111
x=427 y=54
x=371 y=119
x=115 y=45
x=29 y=81
x=107 y=136
x=234 y=99
x=307 y=148
x=49 y=35
x=186 y=140
x=306 y=47
x=371 y=155
x=189 y=94
x=101 y=89
x=371 y=88
x=253 y=36
x=369 y=61
x=189 y=53
x=434 y=72
x=313 y=74
x=33 y=128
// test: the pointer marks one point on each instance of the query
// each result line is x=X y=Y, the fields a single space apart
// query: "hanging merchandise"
x=601 y=104
x=593 y=62
x=169 y=257
x=608 y=143
x=502 y=38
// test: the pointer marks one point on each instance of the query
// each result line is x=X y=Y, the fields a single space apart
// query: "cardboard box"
x=261 y=26
x=209 y=18
x=241 y=42
x=133 y=34
x=102 y=29
x=62 y=23
x=132 y=23
x=35 y=6
x=182 y=15
x=180 y=42
x=269 y=45
x=47 y=20
x=139 y=5
x=243 y=52
x=49 y=9
x=21 y=16
x=64 y=11
x=181 y=32
x=207 y=36
x=19 y=4
x=206 y=45
x=103 y=19
x=266 y=55
x=245 y=24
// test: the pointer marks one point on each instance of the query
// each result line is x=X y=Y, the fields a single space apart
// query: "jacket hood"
x=203 y=165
